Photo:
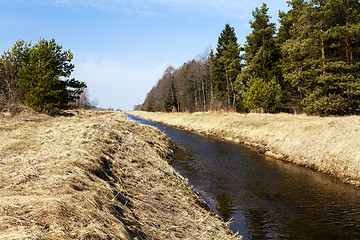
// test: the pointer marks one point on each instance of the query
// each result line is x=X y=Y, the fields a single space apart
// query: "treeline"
x=309 y=64
x=39 y=76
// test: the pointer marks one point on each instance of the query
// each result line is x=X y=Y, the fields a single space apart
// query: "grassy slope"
x=95 y=175
x=331 y=144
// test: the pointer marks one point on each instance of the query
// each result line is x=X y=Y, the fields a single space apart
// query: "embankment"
x=330 y=145
x=95 y=175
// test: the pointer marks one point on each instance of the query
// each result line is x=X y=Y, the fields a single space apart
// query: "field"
x=95 y=175
x=330 y=145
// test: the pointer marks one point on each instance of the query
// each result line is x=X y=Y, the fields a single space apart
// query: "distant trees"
x=184 y=89
x=202 y=84
x=310 y=64
x=39 y=76
x=83 y=101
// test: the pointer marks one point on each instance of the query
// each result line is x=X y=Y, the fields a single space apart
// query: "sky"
x=122 y=47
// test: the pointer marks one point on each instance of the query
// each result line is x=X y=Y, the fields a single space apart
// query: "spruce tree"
x=263 y=31
x=262 y=76
x=296 y=47
x=171 y=102
x=226 y=67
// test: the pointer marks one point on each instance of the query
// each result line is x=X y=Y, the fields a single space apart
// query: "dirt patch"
x=330 y=145
x=95 y=175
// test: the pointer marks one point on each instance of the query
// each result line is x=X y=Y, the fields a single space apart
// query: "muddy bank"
x=330 y=145
x=95 y=175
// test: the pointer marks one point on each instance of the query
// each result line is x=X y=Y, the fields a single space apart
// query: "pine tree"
x=337 y=86
x=45 y=78
x=296 y=47
x=263 y=31
x=11 y=62
x=262 y=76
x=226 y=66
x=319 y=57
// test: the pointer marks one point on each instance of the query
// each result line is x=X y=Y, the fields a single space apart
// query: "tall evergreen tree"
x=262 y=32
x=295 y=48
x=171 y=103
x=209 y=65
x=337 y=86
x=226 y=66
x=319 y=56
x=262 y=76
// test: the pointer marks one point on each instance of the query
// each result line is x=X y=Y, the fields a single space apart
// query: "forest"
x=309 y=64
x=38 y=76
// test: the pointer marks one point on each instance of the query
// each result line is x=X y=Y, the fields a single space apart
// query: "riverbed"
x=264 y=198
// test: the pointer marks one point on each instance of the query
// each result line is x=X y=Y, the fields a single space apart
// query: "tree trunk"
x=227 y=91
x=322 y=40
x=203 y=92
x=322 y=51
x=211 y=89
x=347 y=37
x=195 y=97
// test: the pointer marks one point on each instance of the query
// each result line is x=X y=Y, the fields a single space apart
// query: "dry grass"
x=330 y=145
x=95 y=175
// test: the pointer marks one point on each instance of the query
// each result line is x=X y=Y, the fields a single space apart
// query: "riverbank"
x=95 y=175
x=330 y=145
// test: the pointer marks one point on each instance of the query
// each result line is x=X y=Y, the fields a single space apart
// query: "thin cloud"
x=163 y=8
x=209 y=8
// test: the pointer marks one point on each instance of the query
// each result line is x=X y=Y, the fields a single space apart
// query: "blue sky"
x=122 y=47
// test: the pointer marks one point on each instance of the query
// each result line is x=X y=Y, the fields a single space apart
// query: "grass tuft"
x=94 y=175
x=330 y=144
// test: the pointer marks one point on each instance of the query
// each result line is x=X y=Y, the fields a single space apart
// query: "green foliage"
x=149 y=104
x=263 y=96
x=312 y=65
x=11 y=62
x=38 y=76
x=321 y=55
x=263 y=30
x=169 y=104
x=261 y=76
x=226 y=66
x=331 y=104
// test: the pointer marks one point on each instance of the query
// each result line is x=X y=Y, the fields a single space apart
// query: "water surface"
x=264 y=198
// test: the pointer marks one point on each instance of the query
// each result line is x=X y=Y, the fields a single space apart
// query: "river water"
x=262 y=197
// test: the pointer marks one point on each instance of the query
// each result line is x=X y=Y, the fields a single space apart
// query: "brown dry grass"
x=95 y=175
x=330 y=145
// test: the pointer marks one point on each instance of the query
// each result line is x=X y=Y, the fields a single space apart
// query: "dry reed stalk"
x=330 y=145
x=94 y=175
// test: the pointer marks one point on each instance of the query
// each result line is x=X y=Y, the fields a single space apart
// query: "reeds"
x=95 y=175
x=330 y=145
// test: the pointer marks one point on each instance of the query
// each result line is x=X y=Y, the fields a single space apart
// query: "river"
x=264 y=198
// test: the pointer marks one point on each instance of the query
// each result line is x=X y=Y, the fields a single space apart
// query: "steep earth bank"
x=330 y=145
x=94 y=175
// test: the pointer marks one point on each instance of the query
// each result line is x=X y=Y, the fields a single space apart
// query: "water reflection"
x=265 y=198
x=226 y=205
